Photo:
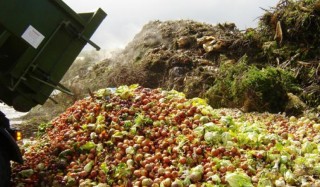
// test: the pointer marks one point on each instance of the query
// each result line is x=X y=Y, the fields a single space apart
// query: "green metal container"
x=39 y=40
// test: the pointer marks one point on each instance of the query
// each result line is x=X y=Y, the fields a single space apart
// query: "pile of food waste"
x=135 y=136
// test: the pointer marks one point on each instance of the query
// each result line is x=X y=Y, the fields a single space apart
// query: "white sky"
x=127 y=17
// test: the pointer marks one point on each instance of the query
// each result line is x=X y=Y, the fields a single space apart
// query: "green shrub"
x=253 y=89
x=264 y=89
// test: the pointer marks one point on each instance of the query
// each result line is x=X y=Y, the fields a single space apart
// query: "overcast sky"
x=127 y=17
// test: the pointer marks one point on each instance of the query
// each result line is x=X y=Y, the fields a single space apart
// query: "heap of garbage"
x=224 y=64
x=136 y=136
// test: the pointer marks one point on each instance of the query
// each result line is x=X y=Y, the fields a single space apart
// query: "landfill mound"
x=135 y=136
x=225 y=65
x=274 y=67
x=183 y=55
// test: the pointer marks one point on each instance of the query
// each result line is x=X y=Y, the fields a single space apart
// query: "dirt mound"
x=163 y=54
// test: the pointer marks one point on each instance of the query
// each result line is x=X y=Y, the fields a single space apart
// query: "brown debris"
x=278 y=36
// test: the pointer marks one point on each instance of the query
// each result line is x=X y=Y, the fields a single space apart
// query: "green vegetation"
x=290 y=36
x=253 y=89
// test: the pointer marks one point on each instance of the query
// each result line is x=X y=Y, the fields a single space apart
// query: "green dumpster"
x=39 y=40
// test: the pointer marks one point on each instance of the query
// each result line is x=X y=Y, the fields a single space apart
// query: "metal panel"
x=39 y=40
